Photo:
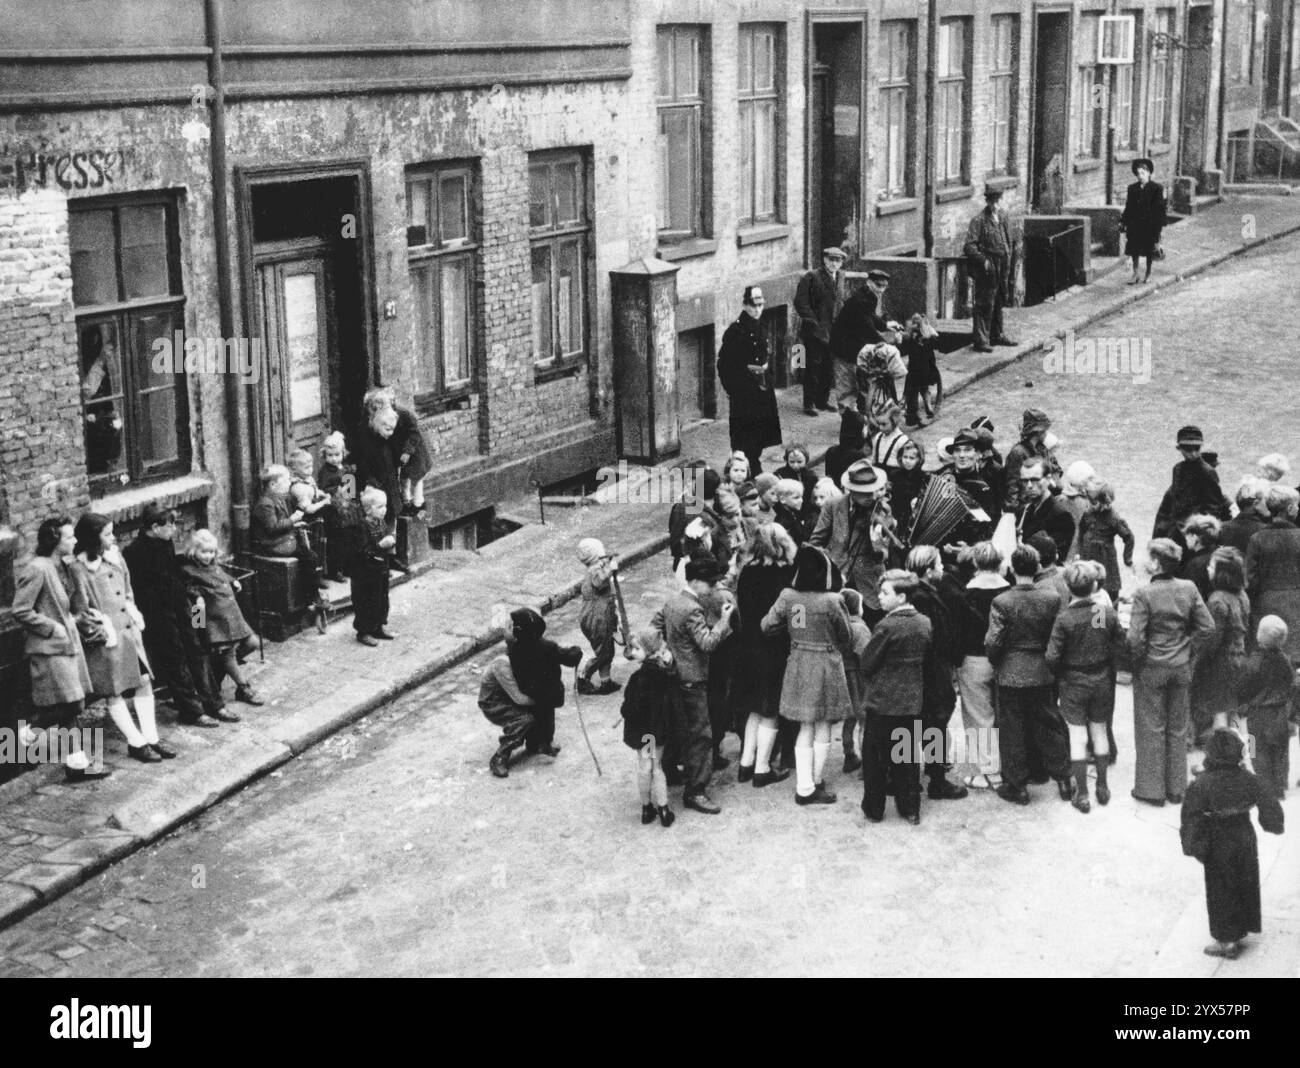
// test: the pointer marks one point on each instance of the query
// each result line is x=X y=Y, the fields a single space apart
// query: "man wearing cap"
x=852 y=532
x=818 y=301
x=743 y=371
x=858 y=324
x=171 y=639
x=1194 y=489
x=684 y=624
x=964 y=470
x=988 y=252
x=1034 y=426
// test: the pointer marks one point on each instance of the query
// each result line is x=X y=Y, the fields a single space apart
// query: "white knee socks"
x=644 y=773
x=821 y=750
x=117 y=711
x=803 y=769
x=766 y=733
x=749 y=749
x=1100 y=746
x=144 y=711
x=658 y=781
x=1079 y=741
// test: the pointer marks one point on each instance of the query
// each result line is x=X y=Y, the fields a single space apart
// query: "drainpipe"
x=237 y=393
x=1110 y=123
x=1220 y=139
x=931 y=91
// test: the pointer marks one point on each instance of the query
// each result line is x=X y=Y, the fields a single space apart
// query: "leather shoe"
x=1103 y=794
x=551 y=750
x=701 y=803
x=817 y=797
x=871 y=818
x=1081 y=803
x=767 y=778
x=811 y=411
x=1004 y=340
x=143 y=753
x=744 y=772
x=720 y=763
x=821 y=789
x=587 y=688
x=943 y=790
x=666 y=816
x=384 y=634
x=828 y=407
x=914 y=819
x=367 y=639
x=608 y=687
x=1009 y=793
x=225 y=715
x=163 y=750
x=851 y=764
x=648 y=814
x=204 y=720
x=85 y=774
x=497 y=765
x=1066 y=789
x=982 y=348
x=248 y=696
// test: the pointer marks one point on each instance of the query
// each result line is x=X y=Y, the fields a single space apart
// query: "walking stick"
x=577 y=705
x=623 y=623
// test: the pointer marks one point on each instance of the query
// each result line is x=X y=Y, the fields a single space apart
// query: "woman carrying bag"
x=1143 y=219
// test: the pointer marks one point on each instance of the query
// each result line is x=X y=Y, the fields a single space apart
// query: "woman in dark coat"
x=1273 y=568
x=1216 y=831
x=1143 y=218
x=42 y=605
x=759 y=666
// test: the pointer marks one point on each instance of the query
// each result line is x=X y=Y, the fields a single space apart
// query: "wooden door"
x=300 y=392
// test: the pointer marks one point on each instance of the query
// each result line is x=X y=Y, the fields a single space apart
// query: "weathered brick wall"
x=42 y=465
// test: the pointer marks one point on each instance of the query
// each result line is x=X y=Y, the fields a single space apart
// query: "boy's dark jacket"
x=1267 y=692
x=536 y=661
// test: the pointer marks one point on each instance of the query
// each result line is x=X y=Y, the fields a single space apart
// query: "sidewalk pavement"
x=56 y=836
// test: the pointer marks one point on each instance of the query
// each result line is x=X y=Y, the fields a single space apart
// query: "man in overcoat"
x=745 y=375
x=818 y=301
x=859 y=323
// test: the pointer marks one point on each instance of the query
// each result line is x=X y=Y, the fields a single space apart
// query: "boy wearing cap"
x=685 y=627
x=1193 y=490
x=598 y=619
x=818 y=301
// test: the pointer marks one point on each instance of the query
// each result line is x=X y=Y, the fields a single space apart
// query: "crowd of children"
x=876 y=597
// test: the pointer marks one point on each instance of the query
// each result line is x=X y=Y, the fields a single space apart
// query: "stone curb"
x=62 y=870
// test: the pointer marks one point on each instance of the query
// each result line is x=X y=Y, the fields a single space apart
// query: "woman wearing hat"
x=1143 y=218
x=814 y=692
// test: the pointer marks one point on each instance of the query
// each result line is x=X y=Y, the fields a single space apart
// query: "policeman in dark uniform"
x=743 y=371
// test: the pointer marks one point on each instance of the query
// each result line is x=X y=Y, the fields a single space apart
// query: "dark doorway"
x=696 y=398
x=310 y=309
x=1051 y=108
x=834 y=136
x=1195 y=94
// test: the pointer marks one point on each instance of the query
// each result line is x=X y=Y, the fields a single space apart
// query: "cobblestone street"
x=390 y=850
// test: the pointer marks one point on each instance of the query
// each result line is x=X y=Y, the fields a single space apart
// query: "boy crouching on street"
x=1084 y=653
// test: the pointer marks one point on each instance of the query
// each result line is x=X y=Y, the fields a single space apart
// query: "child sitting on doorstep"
x=599 y=617
x=860 y=635
x=1084 y=652
x=647 y=714
x=1098 y=529
x=274 y=530
x=1267 y=689
x=370 y=572
x=230 y=639
x=344 y=524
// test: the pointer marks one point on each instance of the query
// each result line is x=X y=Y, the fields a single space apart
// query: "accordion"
x=939 y=510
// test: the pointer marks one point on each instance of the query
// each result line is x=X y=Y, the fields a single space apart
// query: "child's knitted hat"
x=590 y=550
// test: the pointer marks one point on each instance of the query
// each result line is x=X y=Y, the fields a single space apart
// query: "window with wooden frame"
x=1004 y=59
x=760 y=64
x=560 y=226
x=442 y=249
x=682 y=105
x=1127 y=79
x=1089 y=89
x=1162 y=76
x=950 y=102
x=127 y=292
x=896 y=115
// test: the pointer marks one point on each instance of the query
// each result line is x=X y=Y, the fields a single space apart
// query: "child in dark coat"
x=1216 y=831
x=691 y=506
x=894 y=666
x=229 y=637
x=1266 y=691
x=536 y=663
x=370 y=572
x=599 y=617
x=921 y=388
x=1098 y=529
x=647 y=716
x=344 y=525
